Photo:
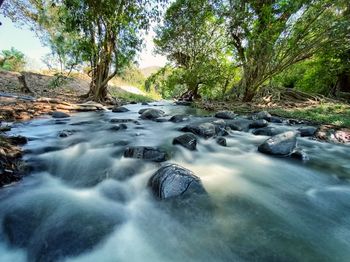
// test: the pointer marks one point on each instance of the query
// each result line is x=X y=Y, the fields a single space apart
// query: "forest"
x=232 y=50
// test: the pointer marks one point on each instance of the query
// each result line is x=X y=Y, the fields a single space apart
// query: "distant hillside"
x=147 y=71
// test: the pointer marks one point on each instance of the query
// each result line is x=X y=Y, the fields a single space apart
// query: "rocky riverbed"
x=166 y=182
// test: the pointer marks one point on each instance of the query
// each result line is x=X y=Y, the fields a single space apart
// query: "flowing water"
x=83 y=201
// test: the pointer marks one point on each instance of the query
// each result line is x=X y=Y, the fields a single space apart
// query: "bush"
x=12 y=60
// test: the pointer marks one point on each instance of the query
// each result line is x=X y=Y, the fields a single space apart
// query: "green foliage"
x=133 y=76
x=12 y=60
x=194 y=40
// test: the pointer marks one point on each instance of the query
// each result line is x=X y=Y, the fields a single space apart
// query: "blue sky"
x=26 y=41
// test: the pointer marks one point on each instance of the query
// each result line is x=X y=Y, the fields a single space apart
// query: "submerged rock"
x=178 y=118
x=268 y=131
x=66 y=133
x=299 y=154
x=152 y=113
x=18 y=140
x=120 y=109
x=146 y=153
x=282 y=144
x=188 y=141
x=239 y=124
x=205 y=130
x=221 y=141
x=173 y=181
x=59 y=114
x=119 y=127
x=225 y=114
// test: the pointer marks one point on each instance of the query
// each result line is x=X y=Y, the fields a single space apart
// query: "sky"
x=26 y=41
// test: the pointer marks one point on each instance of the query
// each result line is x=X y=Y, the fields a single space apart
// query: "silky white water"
x=83 y=201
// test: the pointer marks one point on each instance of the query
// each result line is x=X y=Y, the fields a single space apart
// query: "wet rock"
x=262 y=115
x=120 y=109
x=119 y=127
x=221 y=141
x=205 y=130
x=173 y=181
x=144 y=104
x=133 y=102
x=73 y=233
x=307 y=131
x=239 y=124
x=59 y=114
x=146 y=153
x=275 y=119
x=293 y=122
x=188 y=141
x=66 y=133
x=143 y=110
x=117 y=121
x=152 y=114
x=18 y=140
x=225 y=115
x=5 y=128
x=161 y=119
x=268 y=131
x=299 y=154
x=258 y=123
x=282 y=144
x=183 y=103
x=178 y=118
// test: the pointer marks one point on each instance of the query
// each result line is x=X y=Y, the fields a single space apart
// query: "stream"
x=84 y=201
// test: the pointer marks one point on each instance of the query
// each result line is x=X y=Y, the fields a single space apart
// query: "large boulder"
x=225 y=114
x=146 y=153
x=205 y=130
x=152 y=113
x=282 y=144
x=173 y=181
x=188 y=141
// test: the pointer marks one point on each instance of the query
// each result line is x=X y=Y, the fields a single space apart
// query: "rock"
x=221 y=141
x=18 y=140
x=173 y=181
x=268 y=131
x=133 y=102
x=188 y=141
x=183 y=103
x=275 y=119
x=205 y=130
x=117 y=120
x=262 y=115
x=152 y=114
x=144 y=104
x=307 y=131
x=239 y=124
x=119 y=127
x=258 y=123
x=178 y=118
x=59 y=114
x=5 y=128
x=299 y=154
x=161 y=119
x=120 y=109
x=225 y=115
x=293 y=122
x=146 y=153
x=66 y=133
x=282 y=144
x=143 y=110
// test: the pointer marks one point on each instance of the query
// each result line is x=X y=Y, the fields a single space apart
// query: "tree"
x=268 y=36
x=106 y=33
x=12 y=60
x=193 y=38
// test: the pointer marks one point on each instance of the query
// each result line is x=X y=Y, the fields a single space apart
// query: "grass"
x=336 y=114
x=128 y=97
